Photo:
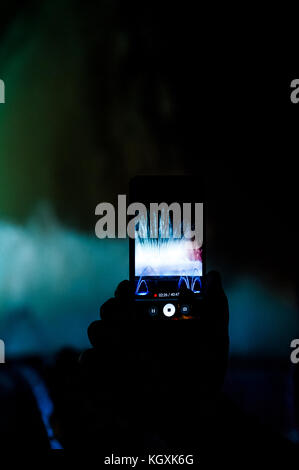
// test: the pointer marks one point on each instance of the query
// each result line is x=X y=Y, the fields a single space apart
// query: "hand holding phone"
x=153 y=377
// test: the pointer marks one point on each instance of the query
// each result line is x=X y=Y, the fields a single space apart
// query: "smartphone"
x=167 y=250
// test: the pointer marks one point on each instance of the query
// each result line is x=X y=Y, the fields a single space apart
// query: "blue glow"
x=43 y=401
x=53 y=281
x=141 y=283
x=185 y=280
x=196 y=280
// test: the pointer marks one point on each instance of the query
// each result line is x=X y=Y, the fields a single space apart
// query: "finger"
x=109 y=310
x=212 y=284
x=115 y=310
x=106 y=336
x=88 y=357
x=186 y=295
x=93 y=332
x=123 y=290
x=216 y=304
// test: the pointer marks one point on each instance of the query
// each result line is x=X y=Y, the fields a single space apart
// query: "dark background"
x=104 y=91
x=97 y=92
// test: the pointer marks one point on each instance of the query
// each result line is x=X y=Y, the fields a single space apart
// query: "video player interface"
x=165 y=266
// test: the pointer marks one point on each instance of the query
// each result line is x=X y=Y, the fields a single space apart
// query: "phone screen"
x=167 y=250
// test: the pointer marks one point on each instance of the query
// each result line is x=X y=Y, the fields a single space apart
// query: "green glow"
x=43 y=121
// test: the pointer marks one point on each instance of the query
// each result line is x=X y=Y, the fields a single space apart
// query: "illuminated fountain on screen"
x=171 y=257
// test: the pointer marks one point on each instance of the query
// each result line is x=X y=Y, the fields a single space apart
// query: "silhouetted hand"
x=155 y=387
x=147 y=381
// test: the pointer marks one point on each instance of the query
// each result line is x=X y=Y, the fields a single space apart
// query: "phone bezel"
x=142 y=181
